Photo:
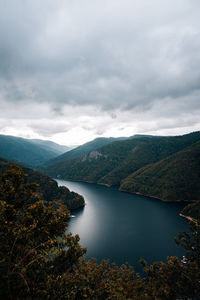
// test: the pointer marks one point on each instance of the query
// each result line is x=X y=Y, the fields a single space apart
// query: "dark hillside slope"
x=51 y=146
x=176 y=177
x=83 y=149
x=23 y=151
x=192 y=210
x=48 y=189
x=114 y=162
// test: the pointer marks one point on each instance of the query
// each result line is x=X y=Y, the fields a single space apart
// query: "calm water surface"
x=124 y=227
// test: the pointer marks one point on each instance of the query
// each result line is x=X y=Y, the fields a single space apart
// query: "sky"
x=71 y=71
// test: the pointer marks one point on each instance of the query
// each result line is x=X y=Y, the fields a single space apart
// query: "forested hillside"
x=48 y=189
x=83 y=149
x=112 y=164
x=39 y=259
x=176 y=177
x=26 y=152
x=51 y=146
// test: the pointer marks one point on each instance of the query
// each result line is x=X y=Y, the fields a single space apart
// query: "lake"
x=125 y=227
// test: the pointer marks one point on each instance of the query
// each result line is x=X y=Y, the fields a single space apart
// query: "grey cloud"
x=115 y=55
x=113 y=115
x=49 y=128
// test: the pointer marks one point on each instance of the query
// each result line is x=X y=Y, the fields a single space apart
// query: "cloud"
x=99 y=60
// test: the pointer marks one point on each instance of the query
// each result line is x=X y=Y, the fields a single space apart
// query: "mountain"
x=48 y=189
x=51 y=146
x=84 y=149
x=136 y=136
x=27 y=152
x=176 y=177
x=113 y=163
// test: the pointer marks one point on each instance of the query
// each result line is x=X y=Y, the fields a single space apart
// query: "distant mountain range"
x=51 y=146
x=84 y=149
x=29 y=152
x=163 y=167
x=48 y=189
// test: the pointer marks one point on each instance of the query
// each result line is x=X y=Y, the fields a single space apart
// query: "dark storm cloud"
x=123 y=55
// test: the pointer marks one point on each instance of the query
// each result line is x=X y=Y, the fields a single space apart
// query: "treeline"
x=39 y=260
x=48 y=189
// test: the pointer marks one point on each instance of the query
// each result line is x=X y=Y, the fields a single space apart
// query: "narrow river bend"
x=124 y=227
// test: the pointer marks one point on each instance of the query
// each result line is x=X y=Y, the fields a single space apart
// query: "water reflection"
x=124 y=227
x=78 y=212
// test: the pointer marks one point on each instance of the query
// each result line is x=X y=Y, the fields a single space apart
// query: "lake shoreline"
x=133 y=193
x=131 y=225
x=188 y=218
x=154 y=197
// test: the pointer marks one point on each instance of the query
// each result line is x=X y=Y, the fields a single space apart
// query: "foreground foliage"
x=48 y=189
x=34 y=245
x=38 y=260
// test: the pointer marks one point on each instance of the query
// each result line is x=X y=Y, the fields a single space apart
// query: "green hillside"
x=114 y=162
x=51 y=146
x=176 y=177
x=24 y=151
x=83 y=149
x=48 y=189
x=41 y=259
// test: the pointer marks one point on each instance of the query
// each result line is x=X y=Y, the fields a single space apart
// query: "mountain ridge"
x=111 y=164
x=46 y=144
x=83 y=149
x=26 y=151
x=176 y=177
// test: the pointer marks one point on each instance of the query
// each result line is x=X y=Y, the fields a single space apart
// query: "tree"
x=34 y=248
x=38 y=260
x=177 y=279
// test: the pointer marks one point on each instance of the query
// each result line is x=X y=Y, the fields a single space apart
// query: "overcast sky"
x=72 y=70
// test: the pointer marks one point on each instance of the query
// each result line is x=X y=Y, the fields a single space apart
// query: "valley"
x=162 y=167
